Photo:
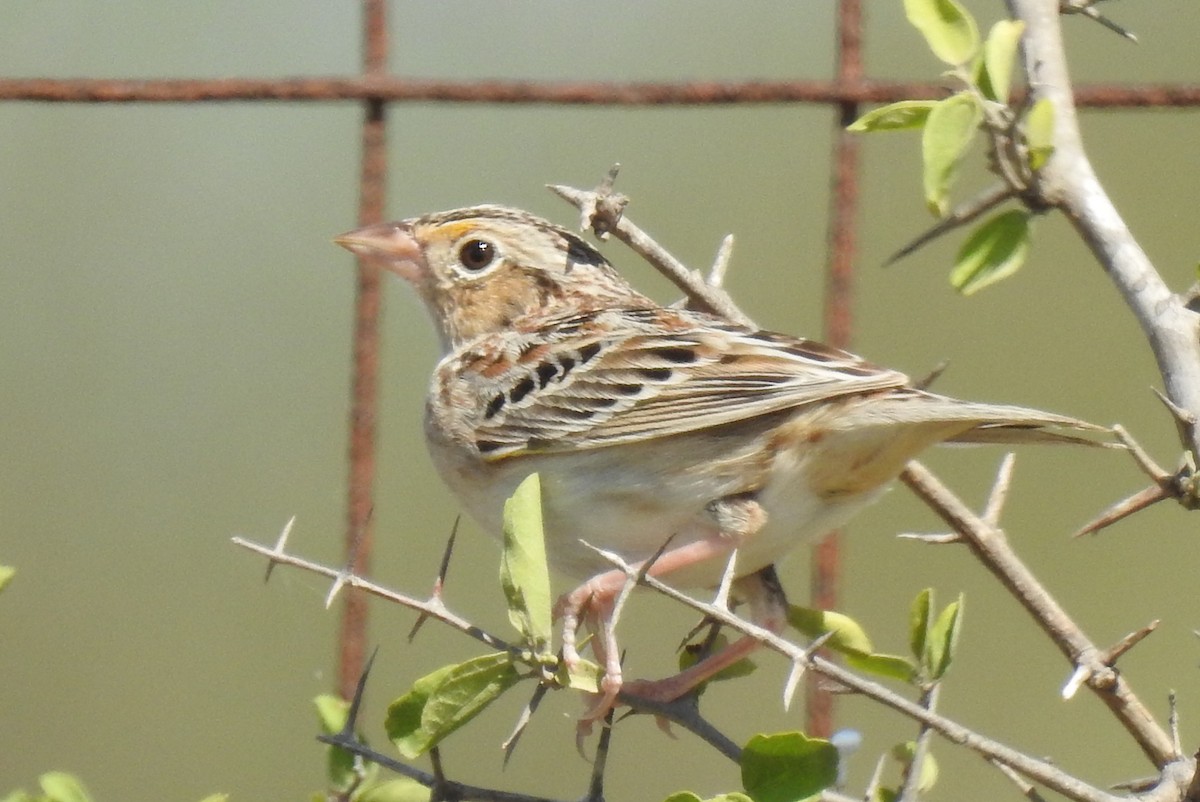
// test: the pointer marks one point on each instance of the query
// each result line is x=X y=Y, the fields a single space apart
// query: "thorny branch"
x=1069 y=183
x=990 y=546
x=987 y=543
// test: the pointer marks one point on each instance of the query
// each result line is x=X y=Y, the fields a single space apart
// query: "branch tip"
x=716 y=275
x=1079 y=676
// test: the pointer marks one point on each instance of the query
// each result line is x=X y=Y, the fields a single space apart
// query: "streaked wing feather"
x=641 y=383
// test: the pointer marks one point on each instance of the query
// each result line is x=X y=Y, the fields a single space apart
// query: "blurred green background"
x=175 y=341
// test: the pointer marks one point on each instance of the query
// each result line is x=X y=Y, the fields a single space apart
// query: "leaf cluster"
x=1020 y=139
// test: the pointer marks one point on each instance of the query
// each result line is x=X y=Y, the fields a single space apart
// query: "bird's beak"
x=392 y=245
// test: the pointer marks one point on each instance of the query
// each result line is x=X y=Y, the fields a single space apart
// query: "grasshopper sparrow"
x=649 y=423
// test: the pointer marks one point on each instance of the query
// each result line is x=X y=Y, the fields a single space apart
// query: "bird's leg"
x=736 y=518
x=768 y=609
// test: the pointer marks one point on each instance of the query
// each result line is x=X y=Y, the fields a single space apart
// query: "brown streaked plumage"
x=648 y=423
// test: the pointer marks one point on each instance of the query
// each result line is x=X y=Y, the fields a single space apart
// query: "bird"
x=658 y=432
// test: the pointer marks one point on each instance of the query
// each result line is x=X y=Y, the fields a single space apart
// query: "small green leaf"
x=948 y=132
x=787 y=766
x=883 y=665
x=216 y=798
x=331 y=712
x=929 y=768
x=441 y=702
x=340 y=771
x=688 y=796
x=6 y=574
x=848 y=636
x=850 y=640
x=398 y=790
x=943 y=638
x=523 y=570
x=948 y=28
x=62 y=787
x=683 y=796
x=919 y=618
x=994 y=251
x=901 y=116
x=584 y=676
x=1039 y=132
x=999 y=56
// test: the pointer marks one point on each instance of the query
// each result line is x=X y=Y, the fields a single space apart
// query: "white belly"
x=627 y=500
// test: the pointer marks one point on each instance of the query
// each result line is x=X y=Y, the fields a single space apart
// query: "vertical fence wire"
x=359 y=540
x=838 y=314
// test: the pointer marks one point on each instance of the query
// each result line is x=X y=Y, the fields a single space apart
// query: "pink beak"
x=391 y=245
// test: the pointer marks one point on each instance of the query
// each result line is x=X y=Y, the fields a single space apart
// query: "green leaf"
x=683 y=796
x=901 y=116
x=948 y=132
x=787 y=766
x=331 y=712
x=441 y=702
x=6 y=574
x=523 y=570
x=688 y=796
x=883 y=665
x=216 y=798
x=583 y=676
x=929 y=768
x=994 y=251
x=850 y=640
x=919 y=618
x=999 y=56
x=1039 y=132
x=948 y=28
x=848 y=636
x=62 y=787
x=399 y=790
x=943 y=638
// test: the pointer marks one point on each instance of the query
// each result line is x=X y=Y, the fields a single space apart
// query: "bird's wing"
x=625 y=375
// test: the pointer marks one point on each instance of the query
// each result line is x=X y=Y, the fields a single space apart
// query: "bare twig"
x=999 y=494
x=910 y=787
x=439 y=583
x=700 y=293
x=596 y=785
x=716 y=274
x=991 y=547
x=1088 y=9
x=1069 y=182
x=433 y=608
x=280 y=546
x=959 y=216
x=1027 y=789
x=1123 y=509
x=1114 y=653
x=932 y=538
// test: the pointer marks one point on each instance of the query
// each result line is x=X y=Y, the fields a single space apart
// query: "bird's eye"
x=477 y=254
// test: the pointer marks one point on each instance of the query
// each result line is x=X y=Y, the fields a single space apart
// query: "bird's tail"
x=971 y=422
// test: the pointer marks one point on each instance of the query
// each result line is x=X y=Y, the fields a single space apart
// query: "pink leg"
x=592 y=602
x=768 y=609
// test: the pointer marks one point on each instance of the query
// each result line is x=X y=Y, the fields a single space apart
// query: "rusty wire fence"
x=849 y=91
